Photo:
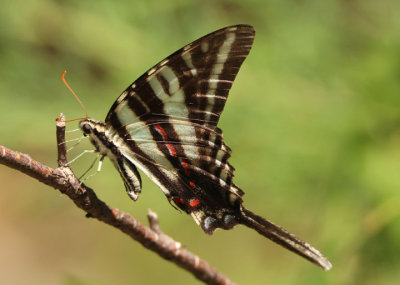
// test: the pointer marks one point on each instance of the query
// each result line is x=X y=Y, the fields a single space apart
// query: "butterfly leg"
x=80 y=155
x=100 y=163
x=91 y=166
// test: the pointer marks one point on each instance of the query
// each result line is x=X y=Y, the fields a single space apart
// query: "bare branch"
x=63 y=179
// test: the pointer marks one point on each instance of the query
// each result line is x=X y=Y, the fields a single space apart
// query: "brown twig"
x=61 y=144
x=63 y=179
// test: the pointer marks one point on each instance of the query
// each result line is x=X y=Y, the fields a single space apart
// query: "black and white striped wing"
x=166 y=123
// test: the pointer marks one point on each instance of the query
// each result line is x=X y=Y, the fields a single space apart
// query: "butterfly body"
x=165 y=124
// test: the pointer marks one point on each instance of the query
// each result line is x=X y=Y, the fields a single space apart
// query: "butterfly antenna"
x=283 y=238
x=76 y=97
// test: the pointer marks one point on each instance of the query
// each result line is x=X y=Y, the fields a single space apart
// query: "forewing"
x=192 y=83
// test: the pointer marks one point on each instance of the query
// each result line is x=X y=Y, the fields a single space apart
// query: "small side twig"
x=61 y=144
x=153 y=221
x=63 y=179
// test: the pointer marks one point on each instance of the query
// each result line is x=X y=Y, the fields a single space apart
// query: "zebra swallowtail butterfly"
x=165 y=124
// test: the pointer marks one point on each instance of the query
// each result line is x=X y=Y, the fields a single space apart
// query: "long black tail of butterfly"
x=282 y=237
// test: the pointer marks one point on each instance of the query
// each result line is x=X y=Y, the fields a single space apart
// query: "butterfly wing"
x=166 y=124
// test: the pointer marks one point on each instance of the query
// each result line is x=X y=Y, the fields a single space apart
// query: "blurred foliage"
x=313 y=120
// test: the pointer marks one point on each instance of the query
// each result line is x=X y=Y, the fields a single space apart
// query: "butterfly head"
x=95 y=130
x=87 y=126
x=91 y=127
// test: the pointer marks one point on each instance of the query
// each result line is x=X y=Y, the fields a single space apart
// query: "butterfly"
x=165 y=125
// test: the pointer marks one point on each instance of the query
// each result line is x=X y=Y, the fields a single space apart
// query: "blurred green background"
x=313 y=120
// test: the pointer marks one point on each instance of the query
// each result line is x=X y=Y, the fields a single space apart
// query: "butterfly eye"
x=86 y=129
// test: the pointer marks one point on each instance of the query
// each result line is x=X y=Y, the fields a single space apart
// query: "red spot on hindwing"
x=186 y=167
x=178 y=200
x=173 y=153
x=165 y=137
x=194 y=202
x=187 y=172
